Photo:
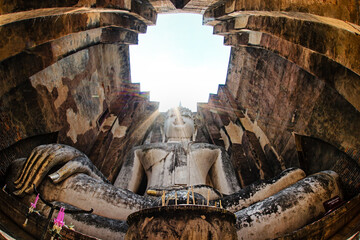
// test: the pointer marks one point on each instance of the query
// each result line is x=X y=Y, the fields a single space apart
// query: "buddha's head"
x=179 y=124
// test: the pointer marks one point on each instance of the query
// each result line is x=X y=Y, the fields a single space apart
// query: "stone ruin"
x=274 y=154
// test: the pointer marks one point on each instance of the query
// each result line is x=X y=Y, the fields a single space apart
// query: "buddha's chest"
x=177 y=166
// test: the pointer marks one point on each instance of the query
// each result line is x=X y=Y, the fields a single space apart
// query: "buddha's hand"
x=44 y=158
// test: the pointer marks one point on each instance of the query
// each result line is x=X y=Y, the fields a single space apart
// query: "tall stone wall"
x=293 y=69
x=74 y=97
x=76 y=90
x=65 y=77
x=288 y=99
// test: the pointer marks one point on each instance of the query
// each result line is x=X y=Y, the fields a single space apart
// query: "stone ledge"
x=336 y=74
x=342 y=10
x=49 y=25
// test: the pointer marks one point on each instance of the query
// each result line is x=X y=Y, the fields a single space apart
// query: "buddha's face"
x=179 y=125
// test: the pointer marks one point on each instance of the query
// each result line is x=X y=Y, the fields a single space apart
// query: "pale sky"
x=179 y=60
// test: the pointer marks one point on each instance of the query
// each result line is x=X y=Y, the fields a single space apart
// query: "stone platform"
x=182 y=222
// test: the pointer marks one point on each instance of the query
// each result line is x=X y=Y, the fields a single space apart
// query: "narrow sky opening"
x=179 y=61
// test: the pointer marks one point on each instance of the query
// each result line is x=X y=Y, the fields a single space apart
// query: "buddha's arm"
x=131 y=173
x=85 y=192
x=261 y=190
x=77 y=182
x=223 y=175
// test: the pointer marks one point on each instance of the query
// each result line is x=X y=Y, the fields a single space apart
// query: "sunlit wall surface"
x=179 y=60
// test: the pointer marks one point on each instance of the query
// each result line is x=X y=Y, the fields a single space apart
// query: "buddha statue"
x=66 y=175
x=179 y=162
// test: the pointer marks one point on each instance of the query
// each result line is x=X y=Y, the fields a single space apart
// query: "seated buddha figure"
x=64 y=174
x=179 y=162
